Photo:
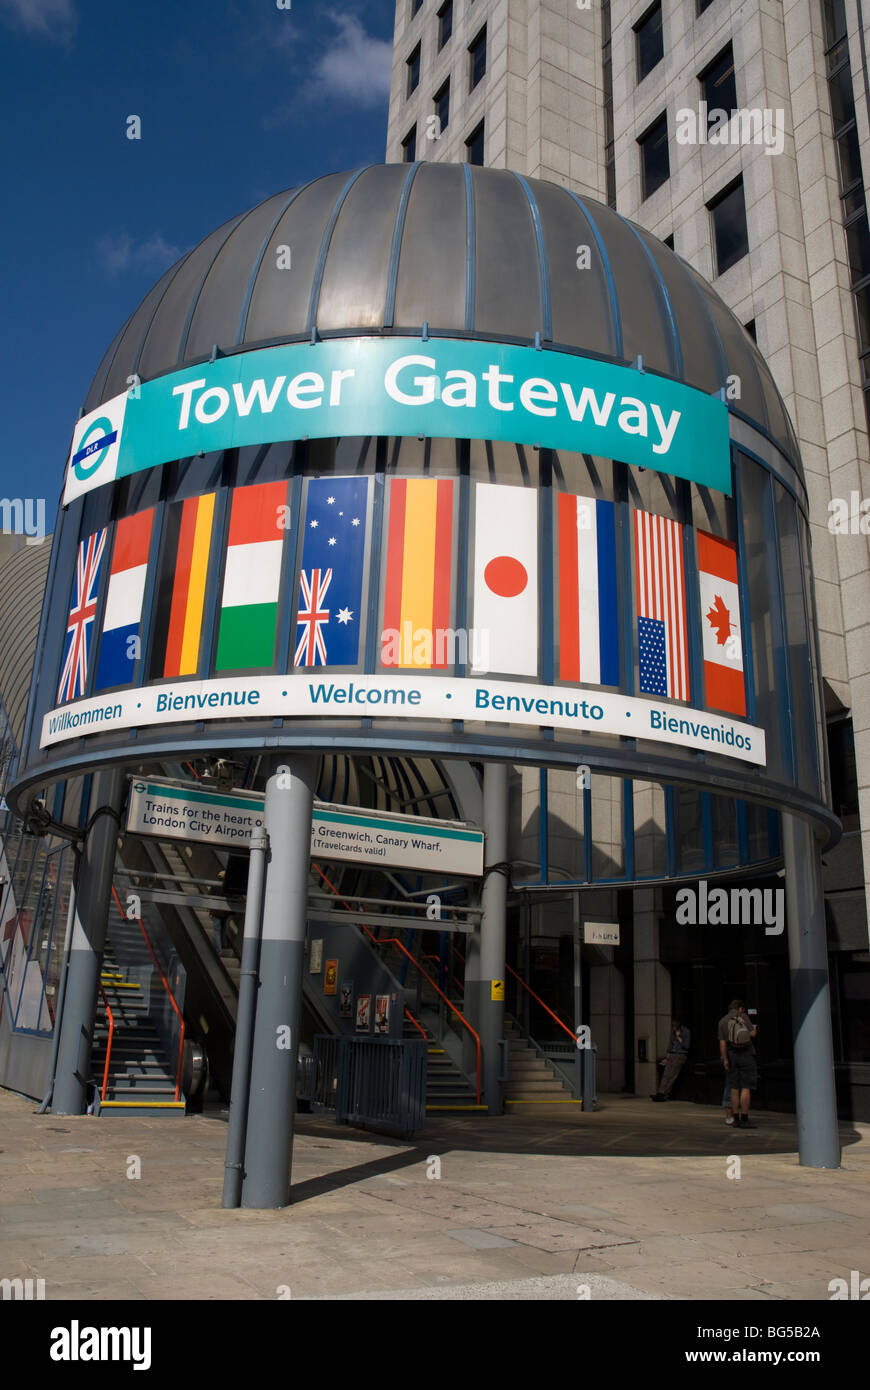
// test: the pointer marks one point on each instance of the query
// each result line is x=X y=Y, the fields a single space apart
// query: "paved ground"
x=632 y=1202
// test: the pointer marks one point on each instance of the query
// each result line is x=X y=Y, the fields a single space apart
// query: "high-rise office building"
x=738 y=134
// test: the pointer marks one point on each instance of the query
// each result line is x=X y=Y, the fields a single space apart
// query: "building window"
x=649 y=41
x=474 y=146
x=669 y=241
x=719 y=87
x=730 y=238
x=704 y=5
x=442 y=106
x=477 y=52
x=413 y=66
x=416 y=7
x=409 y=146
x=654 y=162
x=445 y=22
x=750 y=329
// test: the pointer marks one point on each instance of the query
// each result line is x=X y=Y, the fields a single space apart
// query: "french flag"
x=588 y=636
x=119 y=643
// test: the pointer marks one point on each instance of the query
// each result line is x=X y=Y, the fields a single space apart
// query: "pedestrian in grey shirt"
x=678 y=1050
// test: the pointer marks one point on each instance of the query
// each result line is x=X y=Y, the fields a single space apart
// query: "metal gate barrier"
x=379 y=1083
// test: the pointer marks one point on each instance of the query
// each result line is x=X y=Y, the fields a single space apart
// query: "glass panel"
x=607 y=827
x=842 y=97
x=565 y=826
x=849 y=157
x=655 y=164
x=478 y=59
x=729 y=228
x=763 y=583
x=650 y=842
x=689 y=831
x=725 y=847
x=858 y=240
x=650 y=43
x=719 y=85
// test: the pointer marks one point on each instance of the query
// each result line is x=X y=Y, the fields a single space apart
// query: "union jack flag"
x=311 y=648
x=80 y=624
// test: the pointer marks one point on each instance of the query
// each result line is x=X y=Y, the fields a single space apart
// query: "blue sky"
x=237 y=99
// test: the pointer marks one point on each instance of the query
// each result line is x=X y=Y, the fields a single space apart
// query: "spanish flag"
x=181 y=596
x=418 y=576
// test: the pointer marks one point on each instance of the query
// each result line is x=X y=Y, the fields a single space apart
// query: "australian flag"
x=331 y=579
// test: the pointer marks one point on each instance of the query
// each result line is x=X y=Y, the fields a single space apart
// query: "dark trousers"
x=673 y=1066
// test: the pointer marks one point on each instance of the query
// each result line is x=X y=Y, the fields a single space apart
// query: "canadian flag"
x=720 y=622
x=506 y=580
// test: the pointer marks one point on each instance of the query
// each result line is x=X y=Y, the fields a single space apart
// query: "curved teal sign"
x=441 y=387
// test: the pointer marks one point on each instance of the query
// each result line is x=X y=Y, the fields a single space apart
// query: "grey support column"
x=272 y=1101
x=245 y=1015
x=815 y=1092
x=493 y=931
x=93 y=887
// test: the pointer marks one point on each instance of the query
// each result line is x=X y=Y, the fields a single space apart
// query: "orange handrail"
x=419 y=1028
x=427 y=955
x=108 y=1044
x=178 y=1012
x=394 y=941
x=526 y=987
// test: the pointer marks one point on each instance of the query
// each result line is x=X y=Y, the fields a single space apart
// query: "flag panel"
x=329 y=613
x=724 y=686
x=661 y=606
x=122 y=616
x=82 y=613
x=417 y=583
x=588 y=627
x=248 y=622
x=506 y=579
x=180 y=602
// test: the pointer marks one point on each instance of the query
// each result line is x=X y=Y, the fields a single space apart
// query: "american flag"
x=311 y=648
x=661 y=606
x=79 y=631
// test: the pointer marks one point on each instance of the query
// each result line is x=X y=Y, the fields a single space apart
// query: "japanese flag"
x=505 y=580
x=720 y=623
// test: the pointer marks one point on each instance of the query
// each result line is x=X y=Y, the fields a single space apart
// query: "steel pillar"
x=815 y=1090
x=245 y=1015
x=92 y=890
x=493 y=933
x=272 y=1099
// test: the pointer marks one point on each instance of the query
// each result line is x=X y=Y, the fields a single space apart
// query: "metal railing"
x=382 y=1083
x=171 y=998
x=400 y=946
x=111 y=1017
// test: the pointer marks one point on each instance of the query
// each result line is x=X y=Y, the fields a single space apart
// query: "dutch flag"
x=588 y=636
x=119 y=643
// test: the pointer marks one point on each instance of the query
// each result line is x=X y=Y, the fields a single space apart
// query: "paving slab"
x=621 y=1203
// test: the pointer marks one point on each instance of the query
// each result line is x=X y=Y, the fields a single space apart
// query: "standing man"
x=678 y=1050
x=736 y=1048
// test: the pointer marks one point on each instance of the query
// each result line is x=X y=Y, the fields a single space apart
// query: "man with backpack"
x=736 y=1038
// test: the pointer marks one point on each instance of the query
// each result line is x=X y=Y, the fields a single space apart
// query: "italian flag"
x=252 y=579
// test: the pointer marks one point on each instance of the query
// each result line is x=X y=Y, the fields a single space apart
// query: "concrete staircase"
x=447 y=1088
x=531 y=1079
x=141 y=1075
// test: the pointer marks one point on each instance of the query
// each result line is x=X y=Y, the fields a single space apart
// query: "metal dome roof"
x=470 y=251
